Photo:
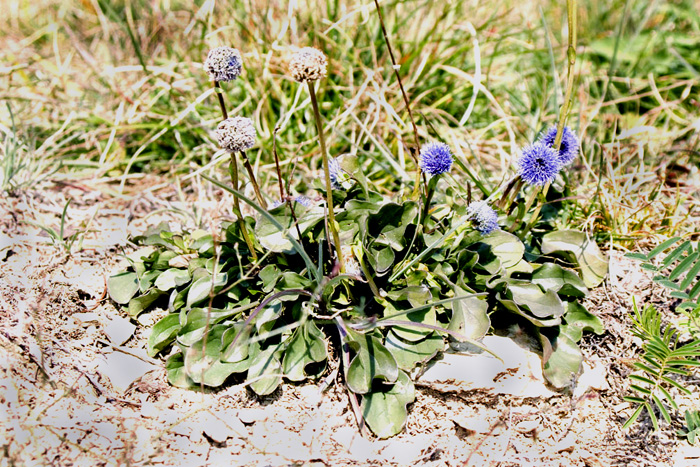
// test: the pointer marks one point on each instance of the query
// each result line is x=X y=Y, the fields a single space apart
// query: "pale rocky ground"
x=77 y=388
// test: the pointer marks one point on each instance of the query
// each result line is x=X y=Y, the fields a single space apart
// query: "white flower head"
x=308 y=64
x=223 y=64
x=236 y=134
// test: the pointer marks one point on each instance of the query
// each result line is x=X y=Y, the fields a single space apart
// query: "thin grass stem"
x=233 y=170
x=406 y=101
x=326 y=170
x=251 y=174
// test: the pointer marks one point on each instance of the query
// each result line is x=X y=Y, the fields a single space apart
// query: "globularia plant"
x=383 y=282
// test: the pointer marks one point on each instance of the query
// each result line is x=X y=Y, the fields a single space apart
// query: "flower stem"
x=251 y=174
x=568 y=100
x=220 y=96
x=406 y=101
x=571 y=56
x=277 y=163
x=233 y=170
x=329 y=189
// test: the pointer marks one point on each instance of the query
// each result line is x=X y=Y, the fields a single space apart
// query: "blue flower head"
x=335 y=172
x=568 y=150
x=301 y=199
x=304 y=201
x=435 y=158
x=484 y=218
x=539 y=164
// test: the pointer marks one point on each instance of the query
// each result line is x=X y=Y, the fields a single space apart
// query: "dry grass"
x=111 y=91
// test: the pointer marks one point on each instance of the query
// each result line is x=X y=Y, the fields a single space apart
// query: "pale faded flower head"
x=308 y=64
x=223 y=64
x=236 y=134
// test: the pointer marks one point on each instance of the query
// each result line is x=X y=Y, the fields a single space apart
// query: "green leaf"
x=410 y=354
x=633 y=418
x=172 y=278
x=273 y=231
x=202 y=287
x=551 y=276
x=202 y=361
x=593 y=265
x=140 y=304
x=469 y=316
x=541 y=304
x=637 y=256
x=177 y=376
x=269 y=276
x=237 y=352
x=505 y=246
x=561 y=360
x=123 y=286
x=579 y=319
x=385 y=412
x=662 y=246
x=195 y=323
x=265 y=372
x=265 y=320
x=372 y=361
x=416 y=296
x=163 y=333
x=306 y=346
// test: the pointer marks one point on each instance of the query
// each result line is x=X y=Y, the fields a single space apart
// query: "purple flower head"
x=484 y=218
x=435 y=158
x=335 y=172
x=568 y=150
x=304 y=201
x=301 y=199
x=538 y=164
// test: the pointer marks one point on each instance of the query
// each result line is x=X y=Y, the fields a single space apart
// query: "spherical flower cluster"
x=435 y=158
x=236 y=134
x=568 y=149
x=223 y=64
x=484 y=218
x=539 y=164
x=308 y=64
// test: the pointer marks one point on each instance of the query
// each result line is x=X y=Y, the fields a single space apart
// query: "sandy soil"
x=77 y=388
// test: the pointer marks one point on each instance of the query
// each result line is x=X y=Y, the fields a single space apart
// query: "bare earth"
x=77 y=388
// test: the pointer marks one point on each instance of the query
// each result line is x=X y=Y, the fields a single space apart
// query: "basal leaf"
x=123 y=286
x=265 y=372
x=410 y=354
x=594 y=266
x=469 y=316
x=177 y=376
x=372 y=361
x=203 y=364
x=561 y=360
x=551 y=276
x=140 y=304
x=306 y=346
x=163 y=333
x=542 y=304
x=385 y=412
x=505 y=246
x=171 y=278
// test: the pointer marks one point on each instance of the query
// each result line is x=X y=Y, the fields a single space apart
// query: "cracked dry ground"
x=77 y=388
